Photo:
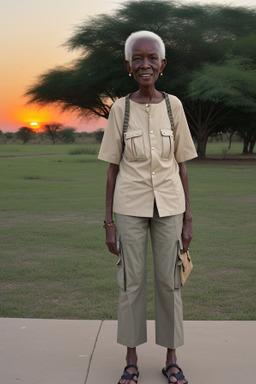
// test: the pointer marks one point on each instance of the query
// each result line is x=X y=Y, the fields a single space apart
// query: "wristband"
x=112 y=224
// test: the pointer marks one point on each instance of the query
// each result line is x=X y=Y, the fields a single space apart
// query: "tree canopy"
x=210 y=51
x=218 y=90
x=231 y=82
x=25 y=134
x=52 y=130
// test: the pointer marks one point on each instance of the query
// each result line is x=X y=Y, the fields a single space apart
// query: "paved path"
x=85 y=352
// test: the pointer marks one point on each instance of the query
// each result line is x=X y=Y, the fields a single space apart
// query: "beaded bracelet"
x=108 y=224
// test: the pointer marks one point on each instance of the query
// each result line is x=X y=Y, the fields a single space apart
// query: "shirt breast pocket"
x=134 y=145
x=167 y=143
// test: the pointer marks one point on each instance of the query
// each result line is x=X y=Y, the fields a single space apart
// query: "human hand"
x=187 y=233
x=111 y=239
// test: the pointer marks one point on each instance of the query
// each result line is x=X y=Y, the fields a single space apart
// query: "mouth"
x=145 y=75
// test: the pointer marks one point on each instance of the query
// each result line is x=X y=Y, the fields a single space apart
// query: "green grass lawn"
x=54 y=262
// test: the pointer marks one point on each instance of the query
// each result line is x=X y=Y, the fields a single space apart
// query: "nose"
x=145 y=63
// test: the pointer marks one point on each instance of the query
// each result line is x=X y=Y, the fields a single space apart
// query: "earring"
x=130 y=75
x=161 y=74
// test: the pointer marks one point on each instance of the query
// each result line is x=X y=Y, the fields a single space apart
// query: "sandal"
x=130 y=376
x=177 y=376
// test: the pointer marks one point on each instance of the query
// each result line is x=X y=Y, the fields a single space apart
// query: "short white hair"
x=142 y=35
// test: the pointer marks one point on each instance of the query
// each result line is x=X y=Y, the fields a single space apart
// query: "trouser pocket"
x=121 y=272
x=177 y=271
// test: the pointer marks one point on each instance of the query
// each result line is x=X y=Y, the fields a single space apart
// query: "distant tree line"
x=55 y=132
x=211 y=54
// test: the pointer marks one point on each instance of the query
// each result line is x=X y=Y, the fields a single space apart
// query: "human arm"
x=187 y=232
x=109 y=227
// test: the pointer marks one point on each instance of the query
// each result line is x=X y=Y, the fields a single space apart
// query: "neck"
x=147 y=95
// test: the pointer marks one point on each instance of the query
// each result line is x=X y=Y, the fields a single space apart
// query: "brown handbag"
x=186 y=266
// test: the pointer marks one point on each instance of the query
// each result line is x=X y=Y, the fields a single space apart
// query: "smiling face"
x=145 y=64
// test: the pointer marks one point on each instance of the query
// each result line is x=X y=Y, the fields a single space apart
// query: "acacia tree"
x=52 y=130
x=193 y=34
x=220 y=89
x=25 y=134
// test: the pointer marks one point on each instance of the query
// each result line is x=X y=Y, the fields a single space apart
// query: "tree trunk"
x=252 y=144
x=246 y=144
x=201 y=147
x=203 y=119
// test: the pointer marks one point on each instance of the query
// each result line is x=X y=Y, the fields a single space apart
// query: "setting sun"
x=34 y=125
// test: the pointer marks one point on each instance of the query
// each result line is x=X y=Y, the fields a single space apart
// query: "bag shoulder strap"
x=169 y=110
x=126 y=113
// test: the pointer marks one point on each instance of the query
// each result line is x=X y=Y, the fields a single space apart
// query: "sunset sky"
x=32 y=34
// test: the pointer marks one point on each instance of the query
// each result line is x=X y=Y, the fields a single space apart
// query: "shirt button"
x=153 y=173
x=147 y=105
x=150 y=116
x=151 y=131
x=152 y=148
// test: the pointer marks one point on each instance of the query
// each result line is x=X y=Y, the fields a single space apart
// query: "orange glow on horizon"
x=20 y=115
x=29 y=117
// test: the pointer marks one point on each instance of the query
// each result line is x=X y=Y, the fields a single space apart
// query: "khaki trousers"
x=132 y=234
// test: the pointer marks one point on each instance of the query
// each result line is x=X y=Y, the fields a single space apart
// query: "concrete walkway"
x=85 y=352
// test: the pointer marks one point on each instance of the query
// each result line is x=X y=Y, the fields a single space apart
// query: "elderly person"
x=146 y=142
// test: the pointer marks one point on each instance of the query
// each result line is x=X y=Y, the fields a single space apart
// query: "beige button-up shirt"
x=148 y=164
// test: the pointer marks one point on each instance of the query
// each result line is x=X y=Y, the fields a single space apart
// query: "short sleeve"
x=111 y=145
x=184 y=148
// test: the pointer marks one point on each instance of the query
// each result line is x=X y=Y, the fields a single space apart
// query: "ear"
x=128 y=66
x=163 y=64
